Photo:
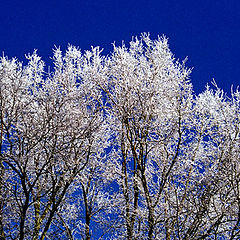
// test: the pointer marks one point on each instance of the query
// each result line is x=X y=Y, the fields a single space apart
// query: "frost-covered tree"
x=116 y=147
x=50 y=129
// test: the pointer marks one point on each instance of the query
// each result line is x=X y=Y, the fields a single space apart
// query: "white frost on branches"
x=116 y=147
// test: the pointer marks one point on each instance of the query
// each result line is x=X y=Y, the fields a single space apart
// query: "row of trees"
x=116 y=147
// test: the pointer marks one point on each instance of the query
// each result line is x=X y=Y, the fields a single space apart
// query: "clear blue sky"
x=207 y=31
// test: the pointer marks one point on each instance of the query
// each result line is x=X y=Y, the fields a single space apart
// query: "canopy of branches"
x=116 y=147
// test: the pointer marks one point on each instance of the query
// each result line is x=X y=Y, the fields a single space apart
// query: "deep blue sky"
x=207 y=31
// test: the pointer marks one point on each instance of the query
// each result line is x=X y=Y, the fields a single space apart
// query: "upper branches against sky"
x=116 y=147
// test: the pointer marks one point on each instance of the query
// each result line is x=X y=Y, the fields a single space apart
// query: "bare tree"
x=116 y=147
x=50 y=131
